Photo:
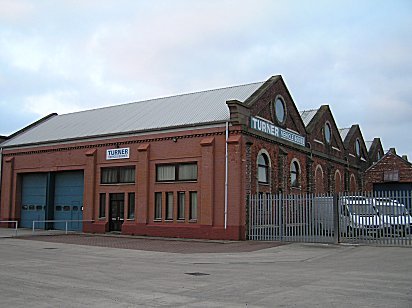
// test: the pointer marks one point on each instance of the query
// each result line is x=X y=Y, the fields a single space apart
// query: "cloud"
x=64 y=56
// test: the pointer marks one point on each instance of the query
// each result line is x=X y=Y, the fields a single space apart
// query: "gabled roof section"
x=260 y=102
x=175 y=111
x=375 y=149
x=316 y=120
x=307 y=115
x=343 y=132
x=350 y=139
x=388 y=162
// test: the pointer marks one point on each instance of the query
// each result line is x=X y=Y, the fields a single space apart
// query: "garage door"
x=33 y=203
x=68 y=199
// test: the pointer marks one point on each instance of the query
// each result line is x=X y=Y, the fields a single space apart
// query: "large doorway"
x=116 y=218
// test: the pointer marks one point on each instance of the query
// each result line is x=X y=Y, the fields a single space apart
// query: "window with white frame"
x=263 y=168
x=294 y=174
x=176 y=172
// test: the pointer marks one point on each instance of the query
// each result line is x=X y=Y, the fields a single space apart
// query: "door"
x=116 y=218
x=68 y=200
x=33 y=200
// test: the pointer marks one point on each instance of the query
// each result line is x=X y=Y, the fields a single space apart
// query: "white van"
x=395 y=216
x=357 y=216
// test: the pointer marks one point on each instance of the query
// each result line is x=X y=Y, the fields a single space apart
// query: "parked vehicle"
x=357 y=216
x=395 y=216
x=360 y=216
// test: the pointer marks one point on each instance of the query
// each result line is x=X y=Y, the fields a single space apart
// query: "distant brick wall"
x=390 y=163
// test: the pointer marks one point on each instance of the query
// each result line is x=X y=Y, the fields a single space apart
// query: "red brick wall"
x=205 y=146
x=390 y=162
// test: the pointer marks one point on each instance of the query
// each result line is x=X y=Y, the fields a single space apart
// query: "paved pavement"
x=57 y=271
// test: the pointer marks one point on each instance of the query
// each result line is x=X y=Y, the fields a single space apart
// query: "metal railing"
x=367 y=218
x=16 y=224
x=57 y=221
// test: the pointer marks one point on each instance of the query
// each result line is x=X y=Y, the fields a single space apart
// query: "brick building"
x=179 y=166
x=391 y=173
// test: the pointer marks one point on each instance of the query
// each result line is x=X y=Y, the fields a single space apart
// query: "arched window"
x=294 y=174
x=328 y=132
x=280 y=110
x=358 y=148
x=263 y=168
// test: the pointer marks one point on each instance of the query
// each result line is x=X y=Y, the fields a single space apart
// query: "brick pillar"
x=283 y=171
x=236 y=223
x=207 y=181
x=90 y=210
x=310 y=176
x=143 y=175
x=7 y=188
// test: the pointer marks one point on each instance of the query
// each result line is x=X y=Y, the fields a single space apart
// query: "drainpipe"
x=226 y=172
x=1 y=162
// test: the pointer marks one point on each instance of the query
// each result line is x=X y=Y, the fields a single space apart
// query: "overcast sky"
x=65 y=56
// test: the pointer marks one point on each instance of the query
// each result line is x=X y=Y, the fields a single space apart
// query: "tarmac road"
x=45 y=272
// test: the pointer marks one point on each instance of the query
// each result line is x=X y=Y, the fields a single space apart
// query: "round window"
x=328 y=133
x=280 y=110
x=357 y=147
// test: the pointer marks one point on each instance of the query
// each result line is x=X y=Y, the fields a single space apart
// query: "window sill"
x=174 y=182
x=102 y=218
x=180 y=220
x=263 y=183
x=117 y=184
x=157 y=220
x=193 y=221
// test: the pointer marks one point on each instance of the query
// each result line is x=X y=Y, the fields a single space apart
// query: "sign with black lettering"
x=270 y=129
x=117 y=153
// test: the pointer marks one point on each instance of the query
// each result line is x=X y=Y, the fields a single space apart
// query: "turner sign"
x=270 y=129
x=117 y=153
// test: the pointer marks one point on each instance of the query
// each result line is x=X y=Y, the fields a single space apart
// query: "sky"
x=66 y=56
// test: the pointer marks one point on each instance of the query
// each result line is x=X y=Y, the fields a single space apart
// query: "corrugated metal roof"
x=307 y=115
x=368 y=144
x=173 y=111
x=343 y=132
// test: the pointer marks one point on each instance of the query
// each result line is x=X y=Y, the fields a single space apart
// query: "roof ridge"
x=307 y=110
x=164 y=97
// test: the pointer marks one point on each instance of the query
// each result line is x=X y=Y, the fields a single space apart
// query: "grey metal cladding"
x=161 y=113
x=343 y=133
x=307 y=115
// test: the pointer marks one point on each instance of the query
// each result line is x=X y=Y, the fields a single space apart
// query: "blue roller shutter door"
x=68 y=199
x=33 y=203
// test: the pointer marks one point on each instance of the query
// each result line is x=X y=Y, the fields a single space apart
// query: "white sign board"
x=273 y=130
x=117 y=153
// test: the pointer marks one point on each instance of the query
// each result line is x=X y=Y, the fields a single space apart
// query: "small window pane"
x=127 y=175
x=357 y=147
x=263 y=168
x=102 y=206
x=169 y=205
x=294 y=174
x=280 y=110
x=109 y=175
x=165 y=173
x=66 y=208
x=187 y=172
x=181 y=205
x=158 y=206
x=131 y=206
x=328 y=133
x=193 y=205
